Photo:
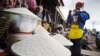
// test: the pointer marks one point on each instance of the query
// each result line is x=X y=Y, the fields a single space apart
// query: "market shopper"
x=76 y=21
x=32 y=5
x=59 y=29
x=98 y=39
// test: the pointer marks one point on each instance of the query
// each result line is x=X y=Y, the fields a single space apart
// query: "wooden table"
x=90 y=53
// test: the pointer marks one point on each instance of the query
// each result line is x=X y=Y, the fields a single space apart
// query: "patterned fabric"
x=7 y=3
x=1 y=3
x=21 y=3
x=12 y=3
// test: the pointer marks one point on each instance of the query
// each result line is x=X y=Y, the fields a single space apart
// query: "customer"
x=76 y=20
x=98 y=39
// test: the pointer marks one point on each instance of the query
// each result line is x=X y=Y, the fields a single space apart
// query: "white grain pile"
x=22 y=11
x=62 y=40
x=41 y=44
x=41 y=29
x=25 y=19
x=27 y=24
x=58 y=37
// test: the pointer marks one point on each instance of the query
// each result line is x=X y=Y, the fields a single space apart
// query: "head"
x=32 y=5
x=79 y=5
x=59 y=27
x=37 y=9
x=97 y=32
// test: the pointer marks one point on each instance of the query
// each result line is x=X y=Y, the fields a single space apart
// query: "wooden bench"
x=90 y=53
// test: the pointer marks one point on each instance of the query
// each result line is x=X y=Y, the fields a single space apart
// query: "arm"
x=69 y=18
x=84 y=15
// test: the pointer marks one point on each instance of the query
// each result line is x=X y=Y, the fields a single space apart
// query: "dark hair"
x=97 y=32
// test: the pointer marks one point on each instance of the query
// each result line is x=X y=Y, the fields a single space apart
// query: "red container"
x=2 y=53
